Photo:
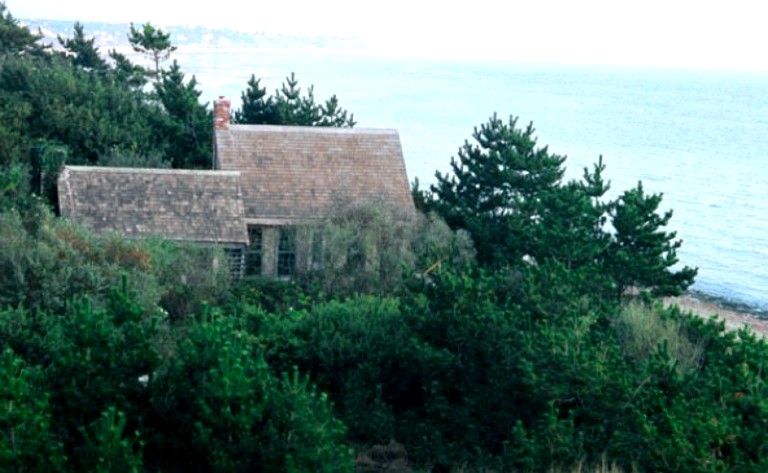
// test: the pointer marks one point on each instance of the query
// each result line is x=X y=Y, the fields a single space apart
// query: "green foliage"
x=87 y=106
x=289 y=107
x=218 y=407
x=108 y=448
x=495 y=190
x=507 y=193
x=257 y=107
x=91 y=361
x=570 y=224
x=86 y=112
x=98 y=357
x=187 y=127
x=48 y=262
x=643 y=332
x=370 y=247
x=192 y=276
x=477 y=370
x=13 y=187
x=507 y=370
x=642 y=253
x=153 y=43
x=26 y=442
x=83 y=51
x=125 y=72
x=47 y=266
x=14 y=38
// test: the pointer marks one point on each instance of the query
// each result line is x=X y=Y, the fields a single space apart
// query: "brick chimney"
x=221 y=113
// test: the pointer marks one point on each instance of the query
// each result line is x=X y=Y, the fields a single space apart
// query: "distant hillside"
x=115 y=35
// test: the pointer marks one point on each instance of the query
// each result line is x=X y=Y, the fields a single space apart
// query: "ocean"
x=698 y=137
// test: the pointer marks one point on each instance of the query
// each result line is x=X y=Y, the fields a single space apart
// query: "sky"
x=721 y=35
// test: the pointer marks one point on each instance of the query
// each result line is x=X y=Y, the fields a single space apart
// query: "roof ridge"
x=312 y=129
x=128 y=170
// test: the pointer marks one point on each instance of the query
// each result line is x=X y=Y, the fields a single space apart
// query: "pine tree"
x=257 y=108
x=187 y=130
x=642 y=254
x=571 y=227
x=83 y=51
x=289 y=107
x=14 y=38
x=331 y=114
x=153 y=43
x=507 y=193
x=294 y=109
x=127 y=72
x=497 y=188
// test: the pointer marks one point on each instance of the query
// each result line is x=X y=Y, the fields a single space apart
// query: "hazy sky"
x=685 y=33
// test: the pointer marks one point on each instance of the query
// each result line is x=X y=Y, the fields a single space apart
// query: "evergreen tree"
x=289 y=107
x=127 y=72
x=294 y=109
x=331 y=114
x=642 y=254
x=507 y=193
x=257 y=108
x=86 y=112
x=571 y=227
x=187 y=128
x=497 y=188
x=14 y=38
x=83 y=51
x=153 y=43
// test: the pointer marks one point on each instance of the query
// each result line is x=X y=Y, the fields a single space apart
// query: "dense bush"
x=218 y=406
x=372 y=247
x=49 y=262
x=115 y=389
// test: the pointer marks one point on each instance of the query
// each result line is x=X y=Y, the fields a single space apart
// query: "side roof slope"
x=293 y=173
x=199 y=206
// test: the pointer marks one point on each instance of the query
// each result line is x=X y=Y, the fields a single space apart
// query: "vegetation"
x=288 y=107
x=152 y=42
x=513 y=326
x=509 y=195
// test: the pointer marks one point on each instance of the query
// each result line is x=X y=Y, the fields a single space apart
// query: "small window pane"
x=254 y=254
x=235 y=262
x=286 y=252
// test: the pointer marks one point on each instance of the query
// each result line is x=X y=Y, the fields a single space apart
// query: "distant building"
x=268 y=180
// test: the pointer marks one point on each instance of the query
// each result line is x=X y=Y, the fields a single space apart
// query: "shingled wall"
x=198 y=206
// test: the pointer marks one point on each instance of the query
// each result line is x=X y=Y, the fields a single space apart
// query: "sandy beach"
x=734 y=319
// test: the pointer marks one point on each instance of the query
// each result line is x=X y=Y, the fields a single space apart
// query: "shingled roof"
x=199 y=206
x=291 y=173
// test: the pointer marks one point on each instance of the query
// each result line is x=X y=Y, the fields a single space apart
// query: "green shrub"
x=370 y=247
x=26 y=440
x=189 y=276
x=109 y=448
x=644 y=331
x=217 y=406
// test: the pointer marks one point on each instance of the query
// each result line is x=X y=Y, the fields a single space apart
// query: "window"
x=234 y=262
x=255 y=251
x=286 y=252
x=316 y=261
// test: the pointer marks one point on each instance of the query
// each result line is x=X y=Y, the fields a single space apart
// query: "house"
x=291 y=175
x=268 y=180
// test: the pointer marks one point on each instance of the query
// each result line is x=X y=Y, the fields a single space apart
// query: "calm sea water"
x=700 y=138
